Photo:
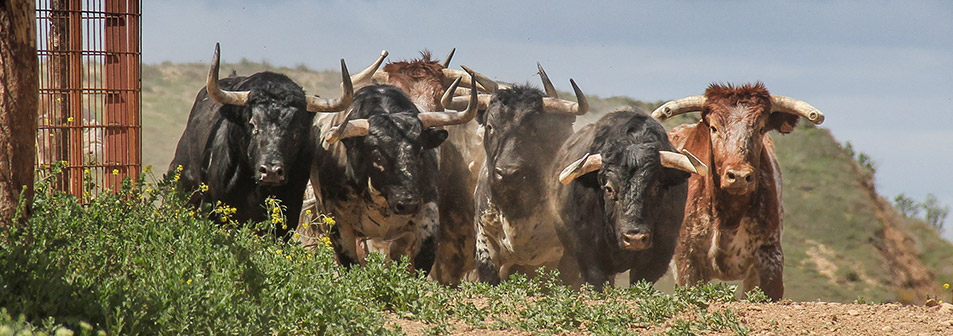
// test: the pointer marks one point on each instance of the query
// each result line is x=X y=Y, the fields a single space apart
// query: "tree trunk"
x=18 y=104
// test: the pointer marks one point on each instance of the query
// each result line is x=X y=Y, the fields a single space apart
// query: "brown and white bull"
x=732 y=227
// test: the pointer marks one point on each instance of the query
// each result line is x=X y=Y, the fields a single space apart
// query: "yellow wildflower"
x=86 y=171
x=148 y=169
x=271 y=201
x=326 y=240
x=307 y=212
x=188 y=282
x=148 y=190
x=946 y=286
x=191 y=213
x=179 y=168
x=288 y=257
x=70 y=120
x=296 y=235
x=279 y=251
x=306 y=224
x=52 y=135
x=284 y=227
x=224 y=219
x=176 y=177
x=275 y=210
x=115 y=171
x=328 y=220
x=203 y=187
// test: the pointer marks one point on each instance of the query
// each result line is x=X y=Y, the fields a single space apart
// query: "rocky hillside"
x=843 y=242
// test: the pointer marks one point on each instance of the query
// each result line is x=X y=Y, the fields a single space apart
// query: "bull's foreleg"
x=344 y=242
x=488 y=270
x=689 y=270
x=769 y=270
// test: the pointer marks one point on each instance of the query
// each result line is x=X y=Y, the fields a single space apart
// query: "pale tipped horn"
x=587 y=164
x=556 y=105
x=679 y=106
x=371 y=71
x=317 y=104
x=460 y=103
x=468 y=79
x=547 y=84
x=685 y=162
x=352 y=128
x=218 y=95
x=446 y=61
x=796 y=107
x=434 y=119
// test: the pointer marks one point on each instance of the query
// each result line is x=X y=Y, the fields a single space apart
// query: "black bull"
x=622 y=203
x=247 y=139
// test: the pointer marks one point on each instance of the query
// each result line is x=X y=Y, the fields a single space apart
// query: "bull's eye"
x=610 y=192
x=714 y=130
x=254 y=129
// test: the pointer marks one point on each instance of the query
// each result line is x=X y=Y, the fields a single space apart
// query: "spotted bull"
x=732 y=228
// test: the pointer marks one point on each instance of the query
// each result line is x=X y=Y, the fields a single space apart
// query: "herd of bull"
x=501 y=183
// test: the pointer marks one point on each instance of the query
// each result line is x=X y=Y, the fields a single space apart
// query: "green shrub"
x=139 y=261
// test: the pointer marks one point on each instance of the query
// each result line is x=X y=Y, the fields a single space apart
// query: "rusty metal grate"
x=90 y=89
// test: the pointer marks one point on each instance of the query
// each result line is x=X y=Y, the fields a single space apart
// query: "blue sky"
x=881 y=71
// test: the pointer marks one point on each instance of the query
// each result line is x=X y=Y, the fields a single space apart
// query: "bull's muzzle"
x=271 y=174
x=636 y=240
x=738 y=180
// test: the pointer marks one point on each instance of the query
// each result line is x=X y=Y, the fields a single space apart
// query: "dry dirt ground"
x=789 y=318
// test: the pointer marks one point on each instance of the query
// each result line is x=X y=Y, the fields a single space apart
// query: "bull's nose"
x=738 y=180
x=269 y=173
x=636 y=240
x=406 y=207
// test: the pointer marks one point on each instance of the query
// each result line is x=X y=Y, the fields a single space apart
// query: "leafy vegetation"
x=138 y=261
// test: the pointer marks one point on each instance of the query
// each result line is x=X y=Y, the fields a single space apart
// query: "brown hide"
x=745 y=225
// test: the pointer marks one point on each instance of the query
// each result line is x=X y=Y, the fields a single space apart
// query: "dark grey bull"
x=376 y=173
x=247 y=139
x=523 y=131
x=623 y=197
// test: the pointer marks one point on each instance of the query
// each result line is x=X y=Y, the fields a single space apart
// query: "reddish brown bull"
x=732 y=227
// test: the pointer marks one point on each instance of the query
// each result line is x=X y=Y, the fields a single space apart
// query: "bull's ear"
x=697 y=141
x=431 y=138
x=782 y=122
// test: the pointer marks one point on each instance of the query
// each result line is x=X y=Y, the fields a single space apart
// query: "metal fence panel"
x=90 y=89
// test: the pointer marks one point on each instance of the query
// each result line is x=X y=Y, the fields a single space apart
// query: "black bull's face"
x=520 y=141
x=397 y=158
x=277 y=136
x=634 y=184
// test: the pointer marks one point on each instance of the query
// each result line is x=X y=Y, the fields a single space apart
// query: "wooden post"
x=18 y=104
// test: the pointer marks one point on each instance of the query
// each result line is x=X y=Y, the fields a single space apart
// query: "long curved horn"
x=371 y=71
x=434 y=119
x=446 y=61
x=587 y=164
x=547 y=84
x=353 y=128
x=459 y=103
x=685 y=162
x=218 y=95
x=679 y=106
x=317 y=104
x=797 y=107
x=556 y=105
x=467 y=79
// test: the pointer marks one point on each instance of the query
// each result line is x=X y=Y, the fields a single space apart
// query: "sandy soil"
x=790 y=318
